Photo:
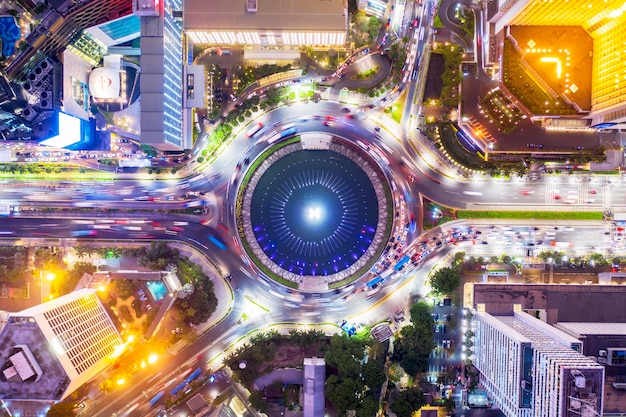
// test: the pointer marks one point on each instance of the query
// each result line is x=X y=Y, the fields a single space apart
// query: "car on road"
x=399 y=316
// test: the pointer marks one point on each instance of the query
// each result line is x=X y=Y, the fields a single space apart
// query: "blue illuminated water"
x=314 y=212
x=157 y=289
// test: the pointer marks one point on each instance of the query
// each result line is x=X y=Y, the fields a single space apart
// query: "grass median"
x=526 y=215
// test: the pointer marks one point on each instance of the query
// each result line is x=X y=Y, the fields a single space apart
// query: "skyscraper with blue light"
x=161 y=73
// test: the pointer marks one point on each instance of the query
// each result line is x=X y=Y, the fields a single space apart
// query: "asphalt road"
x=415 y=173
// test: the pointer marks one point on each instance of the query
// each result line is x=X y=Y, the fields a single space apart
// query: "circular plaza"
x=313 y=211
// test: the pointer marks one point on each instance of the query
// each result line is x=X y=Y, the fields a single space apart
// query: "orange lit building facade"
x=603 y=20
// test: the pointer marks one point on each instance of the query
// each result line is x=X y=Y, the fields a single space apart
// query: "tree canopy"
x=445 y=281
x=416 y=342
x=407 y=402
x=345 y=354
x=355 y=384
x=62 y=409
x=199 y=306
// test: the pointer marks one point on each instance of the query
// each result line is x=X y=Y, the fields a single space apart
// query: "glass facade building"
x=162 y=77
x=173 y=72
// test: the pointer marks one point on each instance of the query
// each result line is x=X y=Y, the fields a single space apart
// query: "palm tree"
x=105 y=386
x=80 y=250
x=91 y=250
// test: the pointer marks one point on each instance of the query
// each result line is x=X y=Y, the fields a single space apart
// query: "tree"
x=345 y=354
x=368 y=408
x=373 y=375
x=149 y=150
x=185 y=291
x=105 y=386
x=124 y=288
x=344 y=393
x=65 y=285
x=81 y=251
x=407 y=402
x=445 y=281
x=62 y=409
x=190 y=312
x=258 y=402
x=416 y=340
x=414 y=363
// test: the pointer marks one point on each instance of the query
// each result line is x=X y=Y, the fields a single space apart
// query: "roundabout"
x=314 y=211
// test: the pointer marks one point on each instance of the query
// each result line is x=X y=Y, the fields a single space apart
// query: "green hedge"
x=550 y=215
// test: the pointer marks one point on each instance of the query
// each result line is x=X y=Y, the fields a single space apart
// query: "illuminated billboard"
x=71 y=131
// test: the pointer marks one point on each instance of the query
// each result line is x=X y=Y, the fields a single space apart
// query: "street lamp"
x=551 y=262
x=49 y=277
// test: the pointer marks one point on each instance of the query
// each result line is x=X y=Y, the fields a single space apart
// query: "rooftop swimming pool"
x=157 y=290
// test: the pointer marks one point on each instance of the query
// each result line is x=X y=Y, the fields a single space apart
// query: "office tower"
x=531 y=369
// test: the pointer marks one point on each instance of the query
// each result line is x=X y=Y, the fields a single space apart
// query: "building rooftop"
x=296 y=15
x=540 y=338
x=24 y=331
x=314 y=380
x=580 y=329
x=575 y=303
x=70 y=338
x=117 y=31
x=508 y=331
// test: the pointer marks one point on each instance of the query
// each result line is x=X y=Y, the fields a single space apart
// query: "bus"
x=375 y=282
x=400 y=264
x=178 y=388
x=193 y=376
x=80 y=233
x=287 y=132
x=254 y=130
x=156 y=398
x=283 y=134
x=216 y=242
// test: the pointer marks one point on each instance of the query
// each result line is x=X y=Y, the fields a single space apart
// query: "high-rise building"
x=313 y=385
x=50 y=350
x=275 y=24
x=161 y=73
x=531 y=369
x=603 y=20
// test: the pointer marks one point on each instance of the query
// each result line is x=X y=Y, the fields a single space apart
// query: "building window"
x=190 y=83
